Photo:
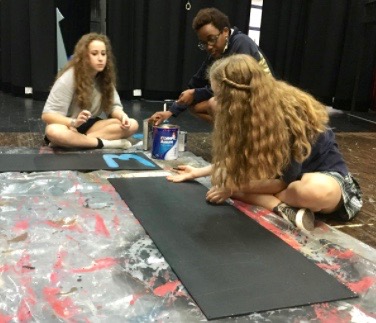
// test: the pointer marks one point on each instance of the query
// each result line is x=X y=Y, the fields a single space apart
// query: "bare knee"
x=201 y=110
x=316 y=191
x=133 y=126
x=319 y=189
x=194 y=110
x=53 y=132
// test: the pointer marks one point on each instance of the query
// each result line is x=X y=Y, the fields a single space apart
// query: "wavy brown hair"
x=260 y=123
x=106 y=79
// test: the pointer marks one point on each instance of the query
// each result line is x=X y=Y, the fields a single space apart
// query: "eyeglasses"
x=203 y=45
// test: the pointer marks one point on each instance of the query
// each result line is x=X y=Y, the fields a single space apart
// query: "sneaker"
x=303 y=218
x=117 y=144
x=126 y=144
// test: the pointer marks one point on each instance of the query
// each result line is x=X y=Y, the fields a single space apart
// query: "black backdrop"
x=322 y=46
x=319 y=46
x=155 y=46
x=28 y=41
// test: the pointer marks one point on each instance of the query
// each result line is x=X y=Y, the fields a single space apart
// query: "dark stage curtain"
x=324 y=47
x=155 y=46
x=5 y=45
x=28 y=41
x=26 y=44
x=76 y=21
x=42 y=47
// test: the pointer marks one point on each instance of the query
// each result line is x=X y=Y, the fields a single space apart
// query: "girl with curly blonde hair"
x=272 y=147
x=83 y=109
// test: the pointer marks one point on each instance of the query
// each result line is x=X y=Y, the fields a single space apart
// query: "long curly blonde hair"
x=106 y=79
x=260 y=123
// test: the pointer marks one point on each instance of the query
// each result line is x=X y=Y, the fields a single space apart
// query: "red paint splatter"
x=259 y=217
x=329 y=267
x=340 y=254
x=152 y=281
x=325 y=313
x=5 y=268
x=21 y=225
x=54 y=276
x=23 y=313
x=60 y=258
x=23 y=262
x=166 y=288
x=323 y=226
x=362 y=285
x=107 y=188
x=63 y=307
x=5 y=318
x=97 y=265
x=134 y=299
x=36 y=199
x=73 y=226
x=100 y=226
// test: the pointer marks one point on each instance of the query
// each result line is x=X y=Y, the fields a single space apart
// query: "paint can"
x=147 y=135
x=165 y=142
x=182 y=140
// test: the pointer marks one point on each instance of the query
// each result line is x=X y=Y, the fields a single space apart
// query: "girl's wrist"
x=73 y=122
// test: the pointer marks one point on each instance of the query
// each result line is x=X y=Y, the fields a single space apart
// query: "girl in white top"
x=83 y=91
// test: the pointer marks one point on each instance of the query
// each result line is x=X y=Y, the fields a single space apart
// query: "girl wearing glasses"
x=277 y=152
x=218 y=39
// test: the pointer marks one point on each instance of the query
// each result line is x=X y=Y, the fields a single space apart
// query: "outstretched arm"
x=160 y=116
x=186 y=173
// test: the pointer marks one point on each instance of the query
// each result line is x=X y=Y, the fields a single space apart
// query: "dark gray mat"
x=74 y=161
x=229 y=263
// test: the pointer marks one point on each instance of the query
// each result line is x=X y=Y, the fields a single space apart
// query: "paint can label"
x=165 y=142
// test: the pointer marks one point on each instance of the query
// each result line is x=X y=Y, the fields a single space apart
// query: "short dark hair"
x=210 y=16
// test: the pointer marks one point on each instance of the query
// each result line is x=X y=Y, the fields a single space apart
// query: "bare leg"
x=202 y=111
x=108 y=129
x=315 y=191
x=267 y=201
x=63 y=136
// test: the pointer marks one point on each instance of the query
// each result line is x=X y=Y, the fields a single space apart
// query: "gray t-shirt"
x=62 y=99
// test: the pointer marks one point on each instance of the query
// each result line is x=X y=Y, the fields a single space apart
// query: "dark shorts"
x=84 y=128
x=351 y=196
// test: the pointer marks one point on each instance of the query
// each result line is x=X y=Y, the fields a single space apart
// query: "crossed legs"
x=108 y=129
x=315 y=191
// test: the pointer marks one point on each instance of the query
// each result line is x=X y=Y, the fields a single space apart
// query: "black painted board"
x=229 y=263
x=73 y=161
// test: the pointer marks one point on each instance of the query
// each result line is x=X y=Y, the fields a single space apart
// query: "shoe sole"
x=305 y=220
